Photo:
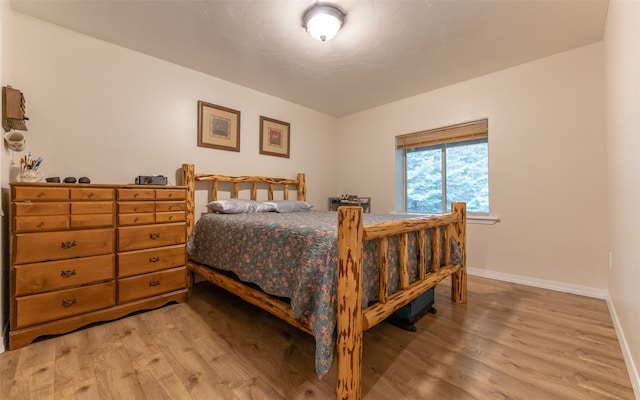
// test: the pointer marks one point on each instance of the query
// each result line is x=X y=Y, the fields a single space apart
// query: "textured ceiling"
x=387 y=50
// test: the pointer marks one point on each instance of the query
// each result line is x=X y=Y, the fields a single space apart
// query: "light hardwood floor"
x=508 y=342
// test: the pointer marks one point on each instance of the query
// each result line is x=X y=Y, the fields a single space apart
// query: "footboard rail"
x=353 y=320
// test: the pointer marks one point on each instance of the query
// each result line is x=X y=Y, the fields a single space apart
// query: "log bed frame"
x=352 y=319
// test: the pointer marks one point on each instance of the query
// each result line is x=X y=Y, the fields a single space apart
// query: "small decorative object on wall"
x=218 y=127
x=13 y=106
x=274 y=137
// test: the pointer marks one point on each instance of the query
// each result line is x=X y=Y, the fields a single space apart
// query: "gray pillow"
x=286 y=206
x=240 y=206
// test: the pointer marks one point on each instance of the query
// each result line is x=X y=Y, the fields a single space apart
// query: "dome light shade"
x=323 y=21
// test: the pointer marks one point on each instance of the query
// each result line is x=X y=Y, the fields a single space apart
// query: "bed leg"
x=459 y=278
x=190 y=278
x=349 y=292
x=459 y=286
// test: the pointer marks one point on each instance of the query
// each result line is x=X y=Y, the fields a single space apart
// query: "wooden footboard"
x=352 y=319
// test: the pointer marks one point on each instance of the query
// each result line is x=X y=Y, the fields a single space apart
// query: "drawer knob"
x=68 y=245
x=91 y=194
x=154 y=259
x=154 y=236
x=154 y=283
x=68 y=302
x=40 y=225
x=41 y=194
x=67 y=273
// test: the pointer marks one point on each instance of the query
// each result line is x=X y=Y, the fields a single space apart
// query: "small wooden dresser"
x=87 y=253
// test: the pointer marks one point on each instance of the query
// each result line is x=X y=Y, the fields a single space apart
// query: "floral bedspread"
x=295 y=255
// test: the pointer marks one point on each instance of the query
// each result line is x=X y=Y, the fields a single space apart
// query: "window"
x=445 y=165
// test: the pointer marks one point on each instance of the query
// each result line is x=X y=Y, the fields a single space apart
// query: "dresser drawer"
x=126 y=207
x=42 y=223
x=39 y=193
x=53 y=275
x=163 y=206
x=147 y=236
x=91 y=221
x=136 y=194
x=92 y=207
x=171 y=194
x=38 y=308
x=46 y=246
x=178 y=216
x=136 y=219
x=143 y=261
x=152 y=284
x=31 y=208
x=91 y=194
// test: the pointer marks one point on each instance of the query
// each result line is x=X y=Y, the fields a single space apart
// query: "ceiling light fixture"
x=323 y=21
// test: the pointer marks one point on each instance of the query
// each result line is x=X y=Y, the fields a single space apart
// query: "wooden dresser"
x=87 y=253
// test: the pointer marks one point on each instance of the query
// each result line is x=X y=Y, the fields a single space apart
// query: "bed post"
x=302 y=188
x=188 y=180
x=459 y=278
x=349 y=303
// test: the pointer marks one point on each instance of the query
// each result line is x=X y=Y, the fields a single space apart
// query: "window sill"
x=482 y=219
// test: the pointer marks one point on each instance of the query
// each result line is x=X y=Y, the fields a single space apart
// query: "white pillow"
x=286 y=206
x=240 y=206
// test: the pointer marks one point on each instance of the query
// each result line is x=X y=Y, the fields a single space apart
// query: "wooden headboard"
x=189 y=179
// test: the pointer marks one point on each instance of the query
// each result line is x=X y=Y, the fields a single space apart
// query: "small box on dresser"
x=70 y=261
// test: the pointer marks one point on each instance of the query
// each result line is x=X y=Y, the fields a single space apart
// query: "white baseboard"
x=541 y=283
x=634 y=376
x=628 y=360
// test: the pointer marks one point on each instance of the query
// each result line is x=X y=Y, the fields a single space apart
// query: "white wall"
x=5 y=79
x=546 y=163
x=109 y=113
x=622 y=77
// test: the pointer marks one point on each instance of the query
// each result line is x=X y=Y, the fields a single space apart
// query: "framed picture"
x=274 y=137
x=218 y=127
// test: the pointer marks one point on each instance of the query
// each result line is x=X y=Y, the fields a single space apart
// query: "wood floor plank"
x=508 y=342
x=79 y=390
x=195 y=373
x=8 y=371
x=74 y=362
x=35 y=372
x=486 y=335
x=115 y=375
x=158 y=379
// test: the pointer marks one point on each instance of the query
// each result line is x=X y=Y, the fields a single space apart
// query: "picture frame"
x=275 y=137
x=218 y=127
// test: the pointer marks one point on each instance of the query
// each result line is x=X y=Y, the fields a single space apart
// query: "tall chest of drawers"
x=87 y=253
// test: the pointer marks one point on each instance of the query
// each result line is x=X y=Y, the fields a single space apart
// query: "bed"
x=345 y=271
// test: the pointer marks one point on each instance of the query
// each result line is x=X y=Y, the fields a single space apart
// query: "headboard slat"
x=214 y=191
